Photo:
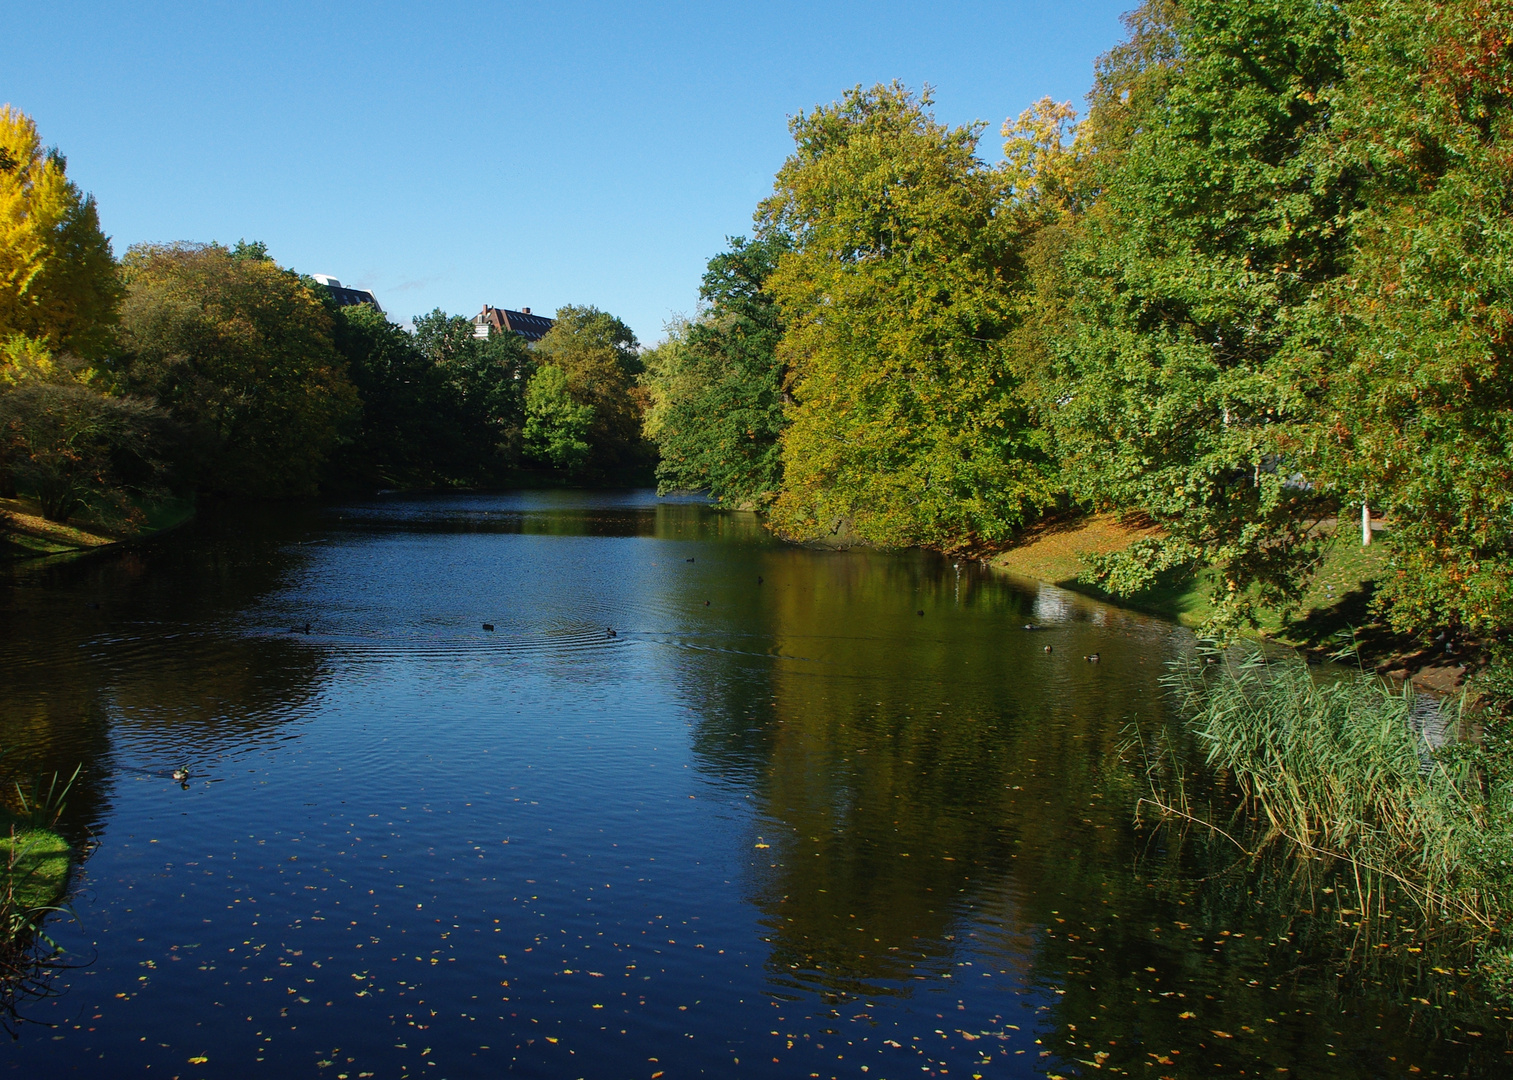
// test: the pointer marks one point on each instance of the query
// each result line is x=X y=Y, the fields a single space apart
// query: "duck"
x=1047 y=648
x=919 y=613
x=609 y=631
x=1091 y=658
x=1030 y=626
x=488 y=626
x=181 y=774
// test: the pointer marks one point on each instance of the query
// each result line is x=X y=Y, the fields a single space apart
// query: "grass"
x=1333 y=772
x=1337 y=603
x=25 y=533
x=1336 y=769
x=34 y=867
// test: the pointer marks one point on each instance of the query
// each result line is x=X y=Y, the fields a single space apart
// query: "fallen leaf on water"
x=198 y=1060
x=1224 y=1034
x=1186 y=1016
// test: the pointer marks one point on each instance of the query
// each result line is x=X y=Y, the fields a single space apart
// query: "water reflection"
x=780 y=823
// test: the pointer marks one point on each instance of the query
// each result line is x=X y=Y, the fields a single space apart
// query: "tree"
x=557 y=426
x=1420 y=419
x=240 y=352
x=1187 y=379
x=485 y=381
x=70 y=444
x=600 y=358
x=404 y=436
x=58 y=284
x=897 y=298
x=716 y=384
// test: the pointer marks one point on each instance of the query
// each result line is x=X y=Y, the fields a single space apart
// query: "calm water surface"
x=779 y=824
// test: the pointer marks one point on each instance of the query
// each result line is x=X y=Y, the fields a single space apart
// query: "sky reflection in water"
x=778 y=825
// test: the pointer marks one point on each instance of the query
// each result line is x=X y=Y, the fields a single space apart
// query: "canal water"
x=698 y=804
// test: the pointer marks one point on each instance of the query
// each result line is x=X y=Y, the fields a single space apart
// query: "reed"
x=1339 y=769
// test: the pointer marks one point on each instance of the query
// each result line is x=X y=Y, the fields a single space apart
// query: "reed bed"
x=1343 y=769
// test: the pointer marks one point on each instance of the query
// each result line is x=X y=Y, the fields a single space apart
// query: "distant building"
x=492 y=320
x=344 y=296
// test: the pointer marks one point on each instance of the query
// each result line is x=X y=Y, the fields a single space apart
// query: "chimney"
x=525 y=311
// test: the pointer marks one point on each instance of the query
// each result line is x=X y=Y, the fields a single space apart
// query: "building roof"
x=344 y=296
x=522 y=322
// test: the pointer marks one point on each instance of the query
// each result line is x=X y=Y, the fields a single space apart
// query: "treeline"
x=1268 y=276
x=204 y=368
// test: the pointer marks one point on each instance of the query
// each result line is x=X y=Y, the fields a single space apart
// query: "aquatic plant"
x=1346 y=769
x=34 y=866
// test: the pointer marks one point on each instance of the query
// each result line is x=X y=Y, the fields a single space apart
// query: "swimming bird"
x=181 y=774
x=1091 y=658
x=689 y=559
x=1047 y=648
x=609 y=631
x=1031 y=626
x=706 y=603
x=488 y=626
x=919 y=613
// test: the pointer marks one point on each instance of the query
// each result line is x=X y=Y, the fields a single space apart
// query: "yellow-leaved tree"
x=58 y=284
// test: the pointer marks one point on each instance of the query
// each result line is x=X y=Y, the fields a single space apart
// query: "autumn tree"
x=58 y=284
x=240 y=352
x=898 y=295
x=1188 y=374
x=1419 y=421
x=600 y=360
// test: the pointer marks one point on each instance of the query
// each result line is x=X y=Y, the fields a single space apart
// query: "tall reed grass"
x=1338 y=769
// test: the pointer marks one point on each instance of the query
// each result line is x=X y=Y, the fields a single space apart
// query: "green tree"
x=1420 y=418
x=58 y=283
x=406 y=435
x=557 y=426
x=1188 y=375
x=240 y=352
x=484 y=394
x=897 y=298
x=716 y=384
x=602 y=362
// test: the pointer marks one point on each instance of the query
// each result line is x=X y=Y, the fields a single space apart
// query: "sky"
x=453 y=155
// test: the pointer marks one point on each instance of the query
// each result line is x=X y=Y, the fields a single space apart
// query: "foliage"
x=58 y=284
x=897 y=296
x=240 y=352
x=70 y=444
x=1184 y=386
x=403 y=436
x=1421 y=417
x=601 y=360
x=557 y=426
x=716 y=384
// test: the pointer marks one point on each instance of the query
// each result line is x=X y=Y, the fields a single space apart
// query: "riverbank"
x=1335 y=611
x=26 y=534
x=33 y=873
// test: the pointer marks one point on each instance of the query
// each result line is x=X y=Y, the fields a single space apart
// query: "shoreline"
x=1334 y=618
x=25 y=534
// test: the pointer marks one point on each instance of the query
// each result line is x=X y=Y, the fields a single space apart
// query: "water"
x=778 y=825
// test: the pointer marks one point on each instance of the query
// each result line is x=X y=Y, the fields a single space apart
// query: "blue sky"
x=452 y=155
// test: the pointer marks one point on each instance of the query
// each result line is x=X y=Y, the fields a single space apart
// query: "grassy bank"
x=1336 y=608
x=25 y=533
